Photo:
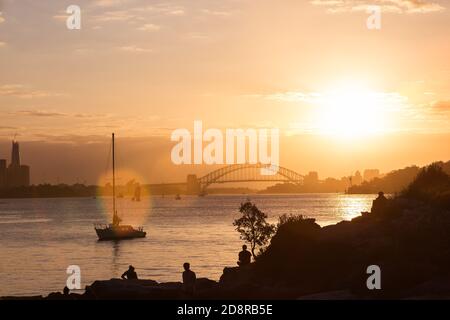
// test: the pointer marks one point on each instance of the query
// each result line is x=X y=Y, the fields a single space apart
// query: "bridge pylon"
x=192 y=185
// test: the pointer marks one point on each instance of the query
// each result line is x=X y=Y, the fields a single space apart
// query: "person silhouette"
x=189 y=279
x=66 y=291
x=244 y=257
x=379 y=204
x=130 y=274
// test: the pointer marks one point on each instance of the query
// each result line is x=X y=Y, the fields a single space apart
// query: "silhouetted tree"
x=290 y=218
x=431 y=184
x=253 y=226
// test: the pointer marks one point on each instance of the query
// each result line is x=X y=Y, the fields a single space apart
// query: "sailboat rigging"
x=116 y=230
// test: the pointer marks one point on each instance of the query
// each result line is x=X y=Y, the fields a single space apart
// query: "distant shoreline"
x=172 y=195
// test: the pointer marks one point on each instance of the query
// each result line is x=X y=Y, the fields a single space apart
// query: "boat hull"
x=120 y=232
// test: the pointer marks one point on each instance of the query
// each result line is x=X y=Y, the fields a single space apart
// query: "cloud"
x=149 y=27
x=62 y=16
x=165 y=9
x=49 y=113
x=217 y=13
x=91 y=115
x=39 y=113
x=1 y=18
x=295 y=96
x=441 y=106
x=140 y=13
x=117 y=15
x=196 y=36
x=109 y=3
x=392 y=99
x=71 y=138
x=134 y=49
x=20 y=91
x=396 y=6
x=2 y=44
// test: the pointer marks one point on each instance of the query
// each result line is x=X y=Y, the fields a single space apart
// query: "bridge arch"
x=248 y=173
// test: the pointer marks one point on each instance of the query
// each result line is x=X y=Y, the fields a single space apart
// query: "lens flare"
x=133 y=199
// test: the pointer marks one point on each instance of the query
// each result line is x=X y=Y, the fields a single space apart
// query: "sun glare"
x=130 y=210
x=351 y=111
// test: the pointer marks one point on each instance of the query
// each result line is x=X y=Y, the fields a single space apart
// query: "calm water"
x=41 y=237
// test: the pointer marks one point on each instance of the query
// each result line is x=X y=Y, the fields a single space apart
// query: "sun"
x=350 y=111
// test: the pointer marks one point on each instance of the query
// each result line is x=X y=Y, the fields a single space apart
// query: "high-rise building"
x=193 y=186
x=2 y=173
x=357 y=179
x=312 y=178
x=15 y=154
x=17 y=175
x=370 y=174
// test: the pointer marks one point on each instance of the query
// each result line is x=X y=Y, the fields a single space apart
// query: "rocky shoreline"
x=232 y=285
x=235 y=284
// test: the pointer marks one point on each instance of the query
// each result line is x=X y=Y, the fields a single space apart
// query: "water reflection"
x=115 y=256
x=198 y=230
x=352 y=206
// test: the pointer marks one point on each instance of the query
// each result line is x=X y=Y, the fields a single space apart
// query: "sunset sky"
x=344 y=97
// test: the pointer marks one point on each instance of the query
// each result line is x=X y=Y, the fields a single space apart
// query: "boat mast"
x=114 y=181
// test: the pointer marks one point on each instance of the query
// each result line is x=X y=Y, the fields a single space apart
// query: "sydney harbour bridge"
x=240 y=173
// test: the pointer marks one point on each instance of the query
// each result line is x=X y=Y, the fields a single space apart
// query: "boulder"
x=22 y=298
x=132 y=289
x=236 y=276
x=205 y=284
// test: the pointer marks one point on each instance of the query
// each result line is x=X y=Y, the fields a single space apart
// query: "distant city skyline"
x=87 y=163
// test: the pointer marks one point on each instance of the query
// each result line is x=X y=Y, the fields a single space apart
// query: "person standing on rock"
x=189 y=279
x=130 y=274
x=244 y=256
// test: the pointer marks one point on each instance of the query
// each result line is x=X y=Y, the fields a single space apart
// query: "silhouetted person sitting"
x=379 y=204
x=244 y=256
x=130 y=274
x=66 y=291
x=65 y=295
x=189 y=279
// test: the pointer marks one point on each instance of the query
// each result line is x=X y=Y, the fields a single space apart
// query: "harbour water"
x=40 y=238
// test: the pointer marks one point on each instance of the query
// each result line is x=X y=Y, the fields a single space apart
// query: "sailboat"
x=116 y=230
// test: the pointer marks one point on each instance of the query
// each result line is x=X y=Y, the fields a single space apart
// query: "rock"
x=133 y=289
x=236 y=276
x=433 y=289
x=144 y=289
x=205 y=284
x=60 y=296
x=171 y=285
x=22 y=298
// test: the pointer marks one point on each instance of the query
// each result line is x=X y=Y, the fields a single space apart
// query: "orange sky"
x=145 y=68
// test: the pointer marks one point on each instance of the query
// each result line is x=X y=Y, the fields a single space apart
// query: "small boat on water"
x=116 y=230
x=177 y=197
x=137 y=193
